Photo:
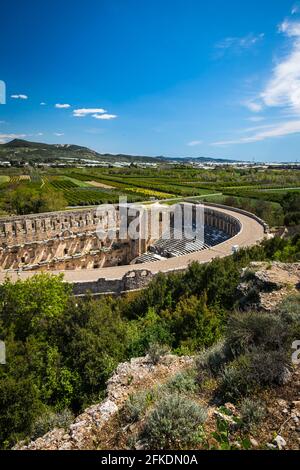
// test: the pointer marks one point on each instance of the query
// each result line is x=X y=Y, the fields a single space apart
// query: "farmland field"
x=4 y=179
x=262 y=192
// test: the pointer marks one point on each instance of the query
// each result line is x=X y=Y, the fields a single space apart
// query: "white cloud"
x=290 y=28
x=19 y=97
x=295 y=9
x=58 y=134
x=43 y=104
x=86 y=111
x=238 y=44
x=253 y=106
x=265 y=132
x=96 y=113
x=256 y=119
x=283 y=89
x=62 y=106
x=104 y=116
x=255 y=128
x=194 y=143
x=6 y=137
x=39 y=134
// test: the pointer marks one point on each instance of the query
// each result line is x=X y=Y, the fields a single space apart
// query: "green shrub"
x=252 y=413
x=19 y=407
x=234 y=382
x=246 y=331
x=223 y=437
x=268 y=367
x=175 y=423
x=183 y=382
x=49 y=421
x=252 y=371
x=289 y=309
x=156 y=351
x=211 y=362
x=292 y=218
x=137 y=404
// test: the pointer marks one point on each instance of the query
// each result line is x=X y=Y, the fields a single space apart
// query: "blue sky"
x=159 y=77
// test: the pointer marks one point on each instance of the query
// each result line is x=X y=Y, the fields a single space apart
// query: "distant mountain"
x=24 y=150
x=19 y=149
x=199 y=159
x=26 y=144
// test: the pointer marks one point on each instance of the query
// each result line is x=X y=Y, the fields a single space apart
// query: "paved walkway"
x=252 y=232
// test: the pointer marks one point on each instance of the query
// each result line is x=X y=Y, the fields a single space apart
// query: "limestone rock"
x=296 y=404
x=280 y=442
x=254 y=442
x=264 y=285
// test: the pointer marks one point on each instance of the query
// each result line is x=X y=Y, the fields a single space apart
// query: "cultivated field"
x=263 y=192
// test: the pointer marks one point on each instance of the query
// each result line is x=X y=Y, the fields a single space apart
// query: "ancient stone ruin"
x=70 y=242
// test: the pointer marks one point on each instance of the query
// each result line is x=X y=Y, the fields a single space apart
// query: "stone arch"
x=66 y=233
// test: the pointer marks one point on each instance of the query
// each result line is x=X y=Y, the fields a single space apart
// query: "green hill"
x=19 y=149
x=23 y=150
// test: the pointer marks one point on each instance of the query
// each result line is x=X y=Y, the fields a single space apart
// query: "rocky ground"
x=264 y=285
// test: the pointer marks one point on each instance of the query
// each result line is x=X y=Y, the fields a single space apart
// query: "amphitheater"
x=68 y=242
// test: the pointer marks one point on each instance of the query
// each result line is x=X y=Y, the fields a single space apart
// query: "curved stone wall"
x=67 y=242
x=59 y=241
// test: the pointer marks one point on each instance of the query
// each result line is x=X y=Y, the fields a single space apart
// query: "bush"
x=184 y=382
x=252 y=371
x=49 y=421
x=156 y=351
x=146 y=331
x=268 y=367
x=19 y=406
x=252 y=413
x=289 y=310
x=234 y=382
x=255 y=329
x=175 y=423
x=137 y=404
x=292 y=218
x=212 y=361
